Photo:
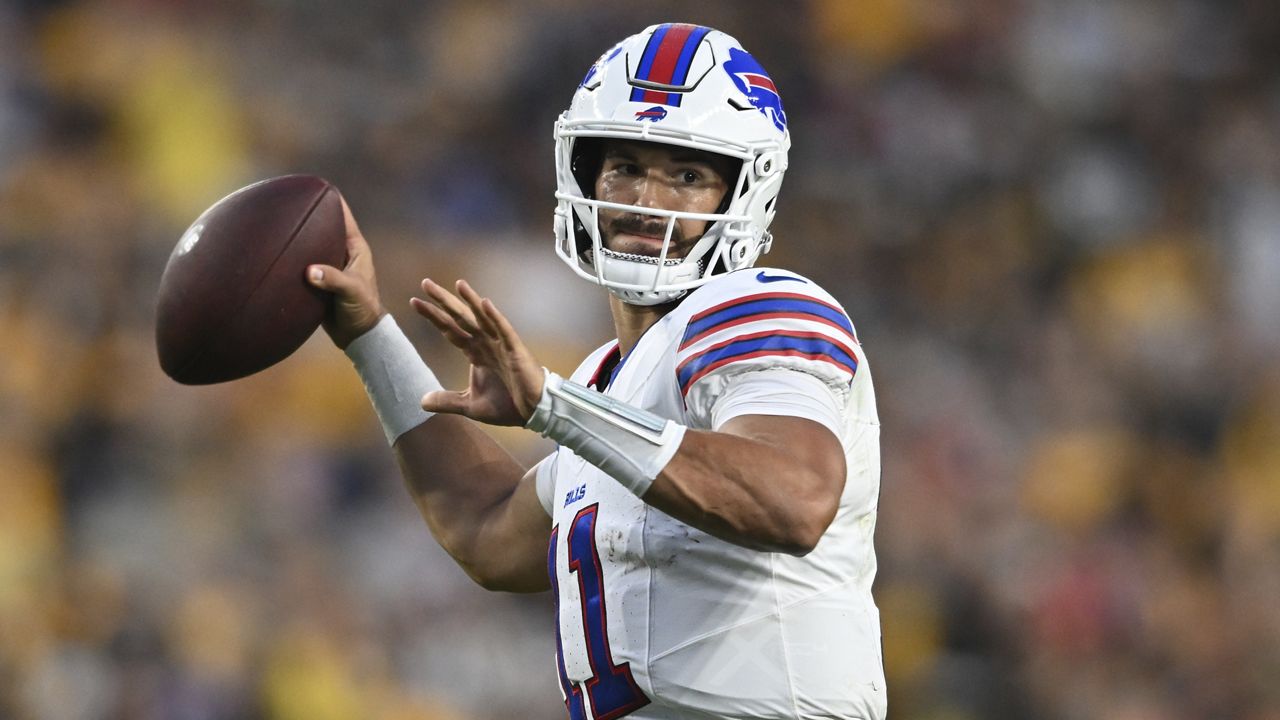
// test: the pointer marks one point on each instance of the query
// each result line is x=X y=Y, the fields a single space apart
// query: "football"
x=233 y=298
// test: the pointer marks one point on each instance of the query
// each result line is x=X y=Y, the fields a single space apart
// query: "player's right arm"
x=480 y=504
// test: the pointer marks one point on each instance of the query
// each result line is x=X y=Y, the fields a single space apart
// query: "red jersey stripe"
x=761 y=353
x=766 y=316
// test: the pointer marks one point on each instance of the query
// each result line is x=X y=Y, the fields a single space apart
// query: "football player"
x=706 y=521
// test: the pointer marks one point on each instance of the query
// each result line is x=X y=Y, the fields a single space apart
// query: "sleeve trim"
x=806 y=345
x=764 y=306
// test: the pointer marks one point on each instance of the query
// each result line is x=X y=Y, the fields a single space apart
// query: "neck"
x=630 y=321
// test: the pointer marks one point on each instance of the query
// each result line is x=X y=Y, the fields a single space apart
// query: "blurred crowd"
x=1055 y=223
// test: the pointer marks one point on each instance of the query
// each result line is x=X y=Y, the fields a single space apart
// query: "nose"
x=650 y=191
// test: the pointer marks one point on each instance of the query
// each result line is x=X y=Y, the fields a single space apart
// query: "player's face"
x=661 y=177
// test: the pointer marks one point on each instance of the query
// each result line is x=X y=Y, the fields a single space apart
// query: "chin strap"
x=648 y=299
x=630 y=444
x=645 y=264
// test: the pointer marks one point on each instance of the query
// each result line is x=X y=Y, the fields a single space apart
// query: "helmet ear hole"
x=588 y=157
x=729 y=169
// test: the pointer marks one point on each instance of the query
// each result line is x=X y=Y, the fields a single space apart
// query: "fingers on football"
x=348 y=219
x=330 y=279
x=357 y=247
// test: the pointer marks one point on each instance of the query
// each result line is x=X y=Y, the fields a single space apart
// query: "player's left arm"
x=768 y=482
x=762 y=481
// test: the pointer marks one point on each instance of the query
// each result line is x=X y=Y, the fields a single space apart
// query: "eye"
x=690 y=176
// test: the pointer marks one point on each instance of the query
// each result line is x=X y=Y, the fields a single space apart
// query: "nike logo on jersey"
x=775 y=278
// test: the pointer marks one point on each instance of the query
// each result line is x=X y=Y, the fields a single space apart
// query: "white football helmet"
x=683 y=85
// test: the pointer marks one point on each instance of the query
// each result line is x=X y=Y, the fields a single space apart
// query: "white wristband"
x=630 y=444
x=394 y=375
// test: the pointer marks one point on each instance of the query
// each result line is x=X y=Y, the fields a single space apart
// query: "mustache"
x=641 y=225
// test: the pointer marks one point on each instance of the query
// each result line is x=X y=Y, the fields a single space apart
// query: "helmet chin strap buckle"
x=768 y=164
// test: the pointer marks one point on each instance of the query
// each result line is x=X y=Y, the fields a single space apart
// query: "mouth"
x=641 y=238
x=640 y=243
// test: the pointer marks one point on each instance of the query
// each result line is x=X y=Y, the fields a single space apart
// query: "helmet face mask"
x=682 y=86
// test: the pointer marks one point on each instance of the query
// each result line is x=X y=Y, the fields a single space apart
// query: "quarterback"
x=705 y=523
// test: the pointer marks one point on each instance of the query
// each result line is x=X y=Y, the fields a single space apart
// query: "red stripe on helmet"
x=653 y=96
x=664 y=63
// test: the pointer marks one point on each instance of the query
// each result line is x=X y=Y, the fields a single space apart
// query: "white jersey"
x=657 y=619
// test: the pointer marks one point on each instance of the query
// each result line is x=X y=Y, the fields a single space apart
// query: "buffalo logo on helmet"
x=751 y=79
x=653 y=114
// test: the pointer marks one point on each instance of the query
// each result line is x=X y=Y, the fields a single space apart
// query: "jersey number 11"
x=611 y=689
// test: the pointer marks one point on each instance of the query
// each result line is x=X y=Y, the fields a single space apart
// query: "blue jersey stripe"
x=767 y=305
x=781 y=342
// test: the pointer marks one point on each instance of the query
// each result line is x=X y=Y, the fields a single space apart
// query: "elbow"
x=508 y=579
x=490 y=578
x=813 y=504
x=502 y=585
x=801 y=541
x=807 y=530
x=798 y=539
x=487 y=580
x=471 y=560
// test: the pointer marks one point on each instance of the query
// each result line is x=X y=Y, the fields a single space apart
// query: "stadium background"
x=1055 y=224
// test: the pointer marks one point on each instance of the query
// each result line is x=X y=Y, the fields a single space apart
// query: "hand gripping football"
x=234 y=298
